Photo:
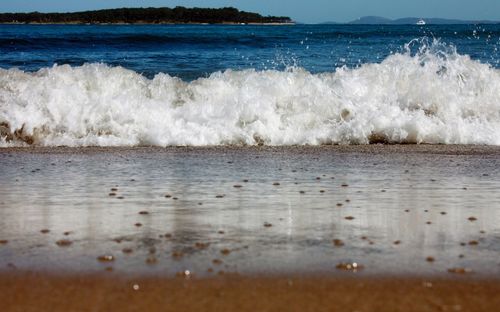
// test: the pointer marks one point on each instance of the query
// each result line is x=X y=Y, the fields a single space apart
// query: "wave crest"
x=431 y=95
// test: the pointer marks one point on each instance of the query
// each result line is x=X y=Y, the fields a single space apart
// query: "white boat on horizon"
x=421 y=22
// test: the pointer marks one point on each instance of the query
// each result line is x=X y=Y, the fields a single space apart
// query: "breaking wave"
x=427 y=94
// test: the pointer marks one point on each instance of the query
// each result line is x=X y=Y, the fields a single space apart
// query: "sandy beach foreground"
x=41 y=292
x=347 y=228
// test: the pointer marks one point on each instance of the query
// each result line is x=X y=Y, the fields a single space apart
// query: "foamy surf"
x=434 y=96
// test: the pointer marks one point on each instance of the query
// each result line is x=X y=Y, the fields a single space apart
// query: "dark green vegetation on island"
x=178 y=15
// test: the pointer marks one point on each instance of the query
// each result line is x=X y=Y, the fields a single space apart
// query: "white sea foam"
x=428 y=97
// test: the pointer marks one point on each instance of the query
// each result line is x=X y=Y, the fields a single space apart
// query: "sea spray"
x=426 y=95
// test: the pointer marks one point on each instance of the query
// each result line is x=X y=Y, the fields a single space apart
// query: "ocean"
x=204 y=85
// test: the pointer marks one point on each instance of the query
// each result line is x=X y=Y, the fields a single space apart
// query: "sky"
x=310 y=11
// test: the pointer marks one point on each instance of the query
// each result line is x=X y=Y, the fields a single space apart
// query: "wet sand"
x=397 y=209
x=370 y=149
x=41 y=292
x=358 y=228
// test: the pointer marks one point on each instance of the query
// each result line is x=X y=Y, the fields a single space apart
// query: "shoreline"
x=141 y=23
x=365 y=149
x=105 y=292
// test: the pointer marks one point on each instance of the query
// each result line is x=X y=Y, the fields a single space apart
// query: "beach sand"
x=41 y=292
x=348 y=228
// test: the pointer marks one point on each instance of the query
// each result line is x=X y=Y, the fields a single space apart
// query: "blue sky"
x=311 y=11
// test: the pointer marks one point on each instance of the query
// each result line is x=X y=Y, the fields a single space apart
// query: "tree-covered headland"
x=177 y=15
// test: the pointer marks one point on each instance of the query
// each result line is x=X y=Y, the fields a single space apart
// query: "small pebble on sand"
x=143 y=212
x=472 y=219
x=184 y=274
x=45 y=231
x=350 y=266
x=225 y=251
x=349 y=218
x=106 y=258
x=64 y=243
x=3 y=241
x=430 y=259
x=460 y=270
x=338 y=243
x=177 y=255
x=201 y=245
x=267 y=224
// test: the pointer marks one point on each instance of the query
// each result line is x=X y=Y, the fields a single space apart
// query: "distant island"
x=377 y=20
x=177 y=15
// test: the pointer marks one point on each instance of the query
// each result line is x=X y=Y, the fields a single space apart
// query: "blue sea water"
x=199 y=85
x=193 y=51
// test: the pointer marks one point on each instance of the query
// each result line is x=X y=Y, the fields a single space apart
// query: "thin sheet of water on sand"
x=391 y=209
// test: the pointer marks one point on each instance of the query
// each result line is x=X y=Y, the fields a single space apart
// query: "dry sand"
x=39 y=292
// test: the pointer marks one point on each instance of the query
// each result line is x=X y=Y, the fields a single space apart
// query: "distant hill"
x=371 y=20
x=377 y=20
x=177 y=15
